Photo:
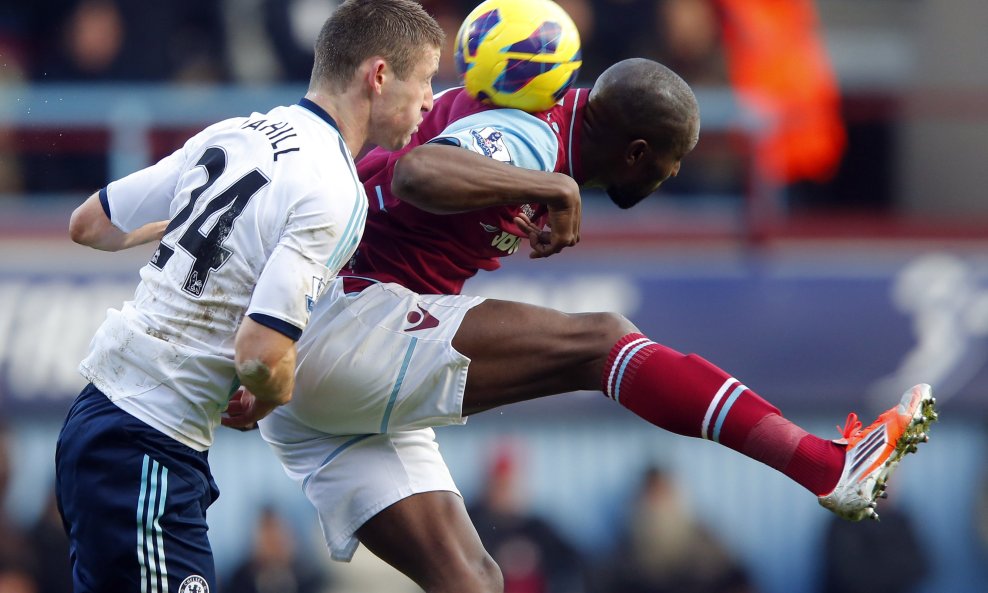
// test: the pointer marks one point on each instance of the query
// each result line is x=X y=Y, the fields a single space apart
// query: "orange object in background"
x=778 y=66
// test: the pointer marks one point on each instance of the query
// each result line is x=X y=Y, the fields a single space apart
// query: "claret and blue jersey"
x=433 y=253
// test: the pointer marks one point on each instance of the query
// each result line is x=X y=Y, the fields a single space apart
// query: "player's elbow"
x=405 y=175
x=262 y=378
x=265 y=362
x=81 y=228
x=90 y=226
x=410 y=181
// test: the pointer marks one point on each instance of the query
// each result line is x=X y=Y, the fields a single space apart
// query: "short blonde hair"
x=396 y=30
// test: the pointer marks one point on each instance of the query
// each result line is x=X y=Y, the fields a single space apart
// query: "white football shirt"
x=263 y=211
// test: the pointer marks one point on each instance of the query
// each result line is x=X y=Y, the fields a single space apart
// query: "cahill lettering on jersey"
x=436 y=254
x=277 y=132
x=253 y=221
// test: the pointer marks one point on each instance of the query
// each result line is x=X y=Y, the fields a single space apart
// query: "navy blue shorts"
x=133 y=502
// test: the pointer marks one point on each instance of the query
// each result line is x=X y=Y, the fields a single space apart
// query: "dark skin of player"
x=429 y=536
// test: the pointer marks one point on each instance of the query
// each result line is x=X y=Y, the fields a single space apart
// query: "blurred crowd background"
x=873 y=106
x=832 y=221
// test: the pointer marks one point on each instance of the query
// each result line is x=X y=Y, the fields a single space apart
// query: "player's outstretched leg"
x=542 y=352
x=872 y=453
x=689 y=396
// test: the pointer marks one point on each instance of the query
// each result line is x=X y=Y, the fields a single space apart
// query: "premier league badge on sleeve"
x=318 y=286
x=490 y=143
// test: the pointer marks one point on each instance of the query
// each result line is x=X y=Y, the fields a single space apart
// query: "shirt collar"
x=576 y=135
x=320 y=112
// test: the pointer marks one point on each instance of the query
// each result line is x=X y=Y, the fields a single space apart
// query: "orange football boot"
x=873 y=453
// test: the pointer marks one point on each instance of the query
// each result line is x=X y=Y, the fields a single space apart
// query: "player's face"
x=398 y=111
x=637 y=171
x=633 y=183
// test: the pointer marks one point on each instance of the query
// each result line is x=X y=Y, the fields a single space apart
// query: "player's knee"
x=620 y=325
x=473 y=575
x=491 y=575
x=588 y=343
x=487 y=576
x=608 y=328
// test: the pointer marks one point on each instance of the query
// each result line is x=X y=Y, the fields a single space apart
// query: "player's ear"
x=376 y=72
x=635 y=151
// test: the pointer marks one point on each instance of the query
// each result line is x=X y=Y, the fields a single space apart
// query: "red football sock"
x=687 y=395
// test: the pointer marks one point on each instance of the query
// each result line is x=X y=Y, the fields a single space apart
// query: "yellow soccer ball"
x=523 y=54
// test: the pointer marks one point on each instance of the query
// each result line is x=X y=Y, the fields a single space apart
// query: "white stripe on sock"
x=617 y=364
x=705 y=428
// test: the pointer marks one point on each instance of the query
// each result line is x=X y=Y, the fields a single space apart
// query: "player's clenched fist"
x=244 y=410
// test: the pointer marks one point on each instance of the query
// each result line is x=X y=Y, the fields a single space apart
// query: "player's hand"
x=244 y=410
x=539 y=239
x=564 y=221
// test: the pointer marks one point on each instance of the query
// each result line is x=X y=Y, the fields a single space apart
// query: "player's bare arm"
x=265 y=362
x=447 y=179
x=89 y=226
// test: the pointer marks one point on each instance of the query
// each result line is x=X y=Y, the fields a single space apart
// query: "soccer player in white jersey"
x=254 y=216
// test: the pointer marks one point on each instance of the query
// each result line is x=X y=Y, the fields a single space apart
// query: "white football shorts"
x=376 y=371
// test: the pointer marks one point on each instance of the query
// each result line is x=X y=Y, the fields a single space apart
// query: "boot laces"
x=852 y=426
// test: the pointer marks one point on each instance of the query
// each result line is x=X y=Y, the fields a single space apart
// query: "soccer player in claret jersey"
x=254 y=215
x=393 y=349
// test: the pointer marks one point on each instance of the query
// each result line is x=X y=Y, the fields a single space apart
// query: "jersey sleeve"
x=143 y=196
x=316 y=242
x=506 y=135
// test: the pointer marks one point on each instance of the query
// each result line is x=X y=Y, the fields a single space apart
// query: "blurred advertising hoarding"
x=814 y=327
